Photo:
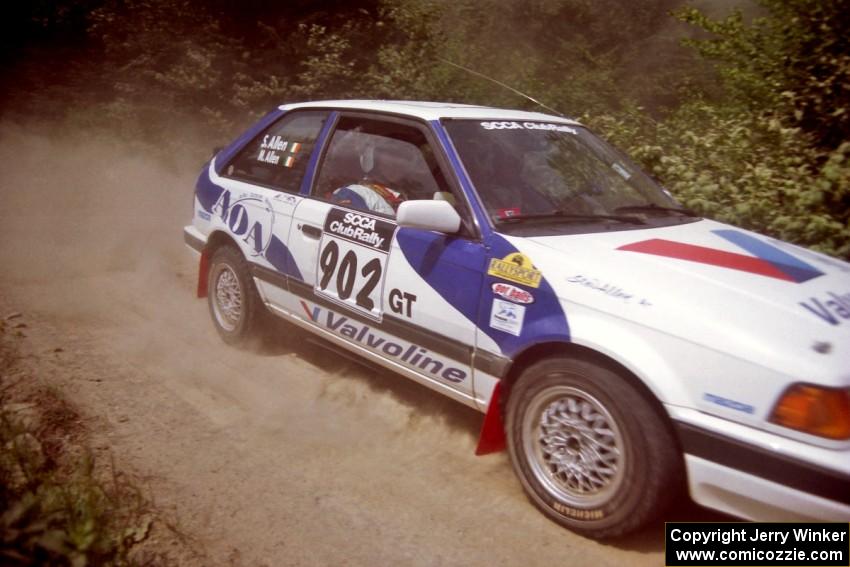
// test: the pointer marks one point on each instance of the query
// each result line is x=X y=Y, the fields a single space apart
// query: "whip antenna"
x=501 y=84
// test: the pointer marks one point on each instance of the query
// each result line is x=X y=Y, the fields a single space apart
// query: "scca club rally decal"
x=360 y=228
x=352 y=260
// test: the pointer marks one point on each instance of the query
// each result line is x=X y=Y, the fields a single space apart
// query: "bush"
x=744 y=168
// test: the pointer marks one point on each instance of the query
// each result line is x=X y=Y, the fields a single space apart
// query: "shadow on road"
x=285 y=338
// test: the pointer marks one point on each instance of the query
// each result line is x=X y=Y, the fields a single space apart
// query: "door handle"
x=311 y=231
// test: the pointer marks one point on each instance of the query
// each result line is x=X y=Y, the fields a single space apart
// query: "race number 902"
x=349 y=272
x=352 y=260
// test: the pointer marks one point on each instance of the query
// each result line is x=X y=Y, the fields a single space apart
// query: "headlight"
x=820 y=411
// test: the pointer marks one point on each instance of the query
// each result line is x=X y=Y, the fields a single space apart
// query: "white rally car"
x=513 y=261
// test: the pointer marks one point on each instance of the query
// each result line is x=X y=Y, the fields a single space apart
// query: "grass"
x=59 y=505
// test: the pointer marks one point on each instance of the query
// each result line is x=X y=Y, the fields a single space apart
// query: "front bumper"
x=761 y=476
x=193 y=238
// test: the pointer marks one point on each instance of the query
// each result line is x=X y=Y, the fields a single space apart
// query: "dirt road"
x=290 y=456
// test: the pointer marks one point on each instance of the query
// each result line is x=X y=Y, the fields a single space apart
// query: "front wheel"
x=235 y=305
x=589 y=449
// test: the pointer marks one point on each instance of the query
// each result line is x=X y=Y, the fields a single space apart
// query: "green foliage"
x=765 y=146
x=746 y=169
x=794 y=61
x=572 y=54
x=55 y=515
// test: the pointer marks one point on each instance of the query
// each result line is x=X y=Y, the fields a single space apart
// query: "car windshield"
x=556 y=173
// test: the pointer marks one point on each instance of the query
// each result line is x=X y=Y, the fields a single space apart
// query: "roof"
x=432 y=110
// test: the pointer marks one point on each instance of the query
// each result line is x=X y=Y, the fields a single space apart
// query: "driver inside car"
x=371 y=193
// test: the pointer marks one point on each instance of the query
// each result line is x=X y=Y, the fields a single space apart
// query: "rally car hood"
x=752 y=297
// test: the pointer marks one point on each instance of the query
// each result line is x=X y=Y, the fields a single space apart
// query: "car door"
x=262 y=188
x=409 y=295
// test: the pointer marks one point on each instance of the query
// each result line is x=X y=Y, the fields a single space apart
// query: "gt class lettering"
x=401 y=302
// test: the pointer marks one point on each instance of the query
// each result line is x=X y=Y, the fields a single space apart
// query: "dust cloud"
x=73 y=205
x=91 y=235
x=289 y=455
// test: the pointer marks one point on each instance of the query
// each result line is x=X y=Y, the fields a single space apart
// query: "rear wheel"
x=589 y=449
x=235 y=306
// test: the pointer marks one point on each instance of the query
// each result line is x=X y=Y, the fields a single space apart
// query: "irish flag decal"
x=766 y=260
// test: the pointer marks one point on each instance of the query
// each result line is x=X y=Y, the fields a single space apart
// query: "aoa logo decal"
x=249 y=217
x=766 y=260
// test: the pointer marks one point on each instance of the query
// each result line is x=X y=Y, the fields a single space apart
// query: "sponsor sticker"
x=832 y=309
x=508 y=213
x=507 y=317
x=360 y=228
x=410 y=354
x=512 y=293
x=352 y=259
x=517 y=268
x=727 y=403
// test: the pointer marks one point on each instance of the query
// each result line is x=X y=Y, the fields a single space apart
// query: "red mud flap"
x=203 y=272
x=492 y=437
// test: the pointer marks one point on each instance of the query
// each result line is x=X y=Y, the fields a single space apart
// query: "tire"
x=589 y=449
x=235 y=306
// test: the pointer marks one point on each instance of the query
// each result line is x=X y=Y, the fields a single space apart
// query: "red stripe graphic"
x=307 y=311
x=703 y=255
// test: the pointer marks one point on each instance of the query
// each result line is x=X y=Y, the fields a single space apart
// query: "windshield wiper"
x=649 y=207
x=564 y=215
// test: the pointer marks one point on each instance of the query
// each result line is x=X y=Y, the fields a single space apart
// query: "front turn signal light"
x=820 y=411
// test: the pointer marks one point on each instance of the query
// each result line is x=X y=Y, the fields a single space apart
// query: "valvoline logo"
x=766 y=260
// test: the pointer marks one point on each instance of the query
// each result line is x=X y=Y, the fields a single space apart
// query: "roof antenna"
x=501 y=84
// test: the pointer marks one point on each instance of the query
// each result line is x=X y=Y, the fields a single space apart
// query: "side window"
x=375 y=165
x=278 y=157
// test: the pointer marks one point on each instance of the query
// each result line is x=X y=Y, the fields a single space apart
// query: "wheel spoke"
x=228 y=297
x=574 y=446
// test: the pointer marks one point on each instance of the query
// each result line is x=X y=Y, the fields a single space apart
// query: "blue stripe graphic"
x=793 y=267
x=456 y=269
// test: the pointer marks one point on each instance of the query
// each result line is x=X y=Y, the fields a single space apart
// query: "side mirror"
x=439 y=216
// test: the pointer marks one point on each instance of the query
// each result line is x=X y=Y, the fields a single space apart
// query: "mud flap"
x=203 y=273
x=492 y=437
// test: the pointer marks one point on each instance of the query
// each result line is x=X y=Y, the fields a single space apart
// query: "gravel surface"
x=286 y=456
